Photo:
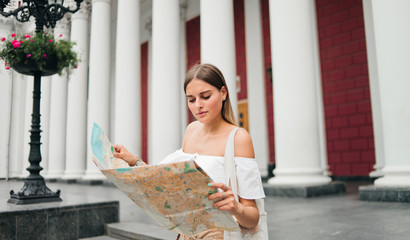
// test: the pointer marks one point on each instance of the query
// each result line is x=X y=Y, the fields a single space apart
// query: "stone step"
x=137 y=230
x=104 y=237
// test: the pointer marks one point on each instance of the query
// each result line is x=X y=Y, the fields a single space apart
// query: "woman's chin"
x=202 y=120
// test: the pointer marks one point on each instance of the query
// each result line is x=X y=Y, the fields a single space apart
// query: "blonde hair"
x=212 y=75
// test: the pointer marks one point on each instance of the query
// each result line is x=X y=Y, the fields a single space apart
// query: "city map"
x=175 y=195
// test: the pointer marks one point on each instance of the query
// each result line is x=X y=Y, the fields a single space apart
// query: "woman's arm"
x=124 y=154
x=245 y=211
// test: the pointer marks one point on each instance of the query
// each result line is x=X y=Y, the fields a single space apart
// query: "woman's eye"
x=191 y=100
x=206 y=97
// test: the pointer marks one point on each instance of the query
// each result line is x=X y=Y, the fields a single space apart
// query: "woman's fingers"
x=224 y=198
x=222 y=194
x=221 y=186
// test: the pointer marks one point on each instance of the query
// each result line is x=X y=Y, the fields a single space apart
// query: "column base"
x=384 y=193
x=376 y=174
x=93 y=175
x=391 y=180
x=299 y=179
x=53 y=175
x=73 y=175
x=304 y=191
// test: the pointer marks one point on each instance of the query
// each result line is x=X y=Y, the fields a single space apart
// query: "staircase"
x=135 y=230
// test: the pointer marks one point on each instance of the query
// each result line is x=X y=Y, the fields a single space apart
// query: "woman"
x=208 y=100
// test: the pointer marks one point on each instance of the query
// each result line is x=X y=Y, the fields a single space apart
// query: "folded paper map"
x=175 y=195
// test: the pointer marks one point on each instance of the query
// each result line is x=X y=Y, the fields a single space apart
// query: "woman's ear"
x=224 y=92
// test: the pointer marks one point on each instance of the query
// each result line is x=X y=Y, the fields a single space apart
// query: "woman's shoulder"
x=243 y=144
x=191 y=128
x=192 y=125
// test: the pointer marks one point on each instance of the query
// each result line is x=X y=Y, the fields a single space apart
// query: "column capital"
x=148 y=25
x=63 y=27
x=84 y=11
x=5 y=21
x=183 y=9
x=95 y=1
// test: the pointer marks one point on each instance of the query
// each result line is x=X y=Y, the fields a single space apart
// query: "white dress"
x=247 y=171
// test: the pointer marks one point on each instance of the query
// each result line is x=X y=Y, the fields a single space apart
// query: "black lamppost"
x=46 y=13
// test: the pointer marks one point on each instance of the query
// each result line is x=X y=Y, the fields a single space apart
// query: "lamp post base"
x=34 y=191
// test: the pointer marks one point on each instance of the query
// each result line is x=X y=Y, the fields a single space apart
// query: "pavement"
x=339 y=217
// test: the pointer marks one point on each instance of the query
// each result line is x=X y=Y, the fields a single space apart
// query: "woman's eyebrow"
x=203 y=92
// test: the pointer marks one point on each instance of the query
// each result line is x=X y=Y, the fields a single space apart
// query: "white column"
x=391 y=59
x=258 y=127
x=76 y=130
x=218 y=42
x=374 y=89
x=164 y=97
x=296 y=77
x=5 y=106
x=17 y=144
x=58 y=113
x=182 y=61
x=27 y=126
x=45 y=121
x=127 y=111
x=99 y=78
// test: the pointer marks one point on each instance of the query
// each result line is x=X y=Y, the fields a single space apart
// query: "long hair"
x=212 y=75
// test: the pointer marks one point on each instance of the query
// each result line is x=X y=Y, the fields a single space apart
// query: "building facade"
x=322 y=86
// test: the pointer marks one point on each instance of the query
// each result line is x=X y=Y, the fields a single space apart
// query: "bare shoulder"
x=243 y=144
x=189 y=132
x=191 y=128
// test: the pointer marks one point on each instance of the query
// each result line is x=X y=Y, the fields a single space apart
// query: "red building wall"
x=144 y=101
x=268 y=83
x=193 y=42
x=345 y=80
x=193 y=48
x=240 y=47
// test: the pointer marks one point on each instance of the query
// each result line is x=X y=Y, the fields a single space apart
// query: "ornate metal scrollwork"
x=46 y=13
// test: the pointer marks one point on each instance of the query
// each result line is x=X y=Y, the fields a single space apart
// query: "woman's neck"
x=214 y=126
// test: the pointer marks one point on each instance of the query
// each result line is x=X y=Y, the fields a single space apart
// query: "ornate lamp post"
x=46 y=13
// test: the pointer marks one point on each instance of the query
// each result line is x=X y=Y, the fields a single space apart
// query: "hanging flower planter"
x=30 y=67
x=29 y=54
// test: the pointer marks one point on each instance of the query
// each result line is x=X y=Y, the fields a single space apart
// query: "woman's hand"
x=122 y=152
x=225 y=200
x=245 y=211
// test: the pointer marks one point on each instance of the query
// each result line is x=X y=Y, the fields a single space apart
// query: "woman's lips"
x=201 y=114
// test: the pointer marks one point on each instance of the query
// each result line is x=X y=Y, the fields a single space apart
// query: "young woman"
x=208 y=100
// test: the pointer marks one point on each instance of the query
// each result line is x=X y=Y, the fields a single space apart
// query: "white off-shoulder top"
x=247 y=171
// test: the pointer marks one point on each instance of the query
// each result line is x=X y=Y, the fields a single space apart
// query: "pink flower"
x=13 y=35
x=27 y=36
x=60 y=35
x=31 y=40
x=3 y=39
x=28 y=55
x=50 y=40
x=44 y=55
x=6 y=65
x=15 y=43
x=76 y=66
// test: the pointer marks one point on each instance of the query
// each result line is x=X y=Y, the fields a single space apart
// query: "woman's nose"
x=198 y=104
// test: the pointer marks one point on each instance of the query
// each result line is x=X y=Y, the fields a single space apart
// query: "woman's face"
x=204 y=100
